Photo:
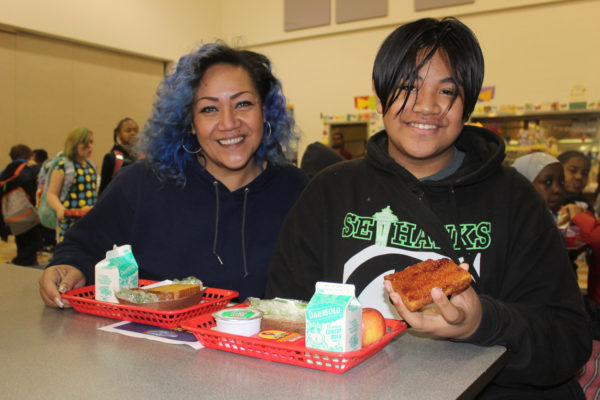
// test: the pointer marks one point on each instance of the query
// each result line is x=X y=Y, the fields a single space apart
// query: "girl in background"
x=121 y=154
x=547 y=175
x=577 y=170
x=83 y=193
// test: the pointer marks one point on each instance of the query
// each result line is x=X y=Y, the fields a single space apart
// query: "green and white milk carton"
x=334 y=318
x=117 y=271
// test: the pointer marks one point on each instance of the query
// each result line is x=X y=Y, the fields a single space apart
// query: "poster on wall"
x=300 y=14
x=354 y=10
x=421 y=5
x=486 y=94
x=365 y=103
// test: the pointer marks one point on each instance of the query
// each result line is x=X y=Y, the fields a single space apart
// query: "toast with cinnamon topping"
x=414 y=283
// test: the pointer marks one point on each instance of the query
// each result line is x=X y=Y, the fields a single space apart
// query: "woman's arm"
x=56 y=182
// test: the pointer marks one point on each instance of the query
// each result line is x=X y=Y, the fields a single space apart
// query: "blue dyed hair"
x=169 y=126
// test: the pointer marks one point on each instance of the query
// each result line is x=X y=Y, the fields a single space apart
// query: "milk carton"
x=334 y=318
x=117 y=271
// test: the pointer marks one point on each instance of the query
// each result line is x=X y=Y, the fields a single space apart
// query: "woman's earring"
x=269 y=125
x=191 y=133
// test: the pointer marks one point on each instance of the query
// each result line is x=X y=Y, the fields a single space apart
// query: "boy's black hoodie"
x=363 y=219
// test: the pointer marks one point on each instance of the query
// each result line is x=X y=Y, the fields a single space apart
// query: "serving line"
x=61 y=354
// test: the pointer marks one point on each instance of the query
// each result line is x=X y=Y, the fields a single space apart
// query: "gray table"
x=60 y=354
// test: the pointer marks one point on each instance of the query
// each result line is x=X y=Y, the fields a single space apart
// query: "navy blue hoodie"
x=223 y=238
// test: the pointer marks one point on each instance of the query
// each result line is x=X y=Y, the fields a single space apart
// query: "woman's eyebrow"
x=232 y=97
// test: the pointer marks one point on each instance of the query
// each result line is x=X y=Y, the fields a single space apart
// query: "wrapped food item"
x=165 y=295
x=283 y=314
x=137 y=296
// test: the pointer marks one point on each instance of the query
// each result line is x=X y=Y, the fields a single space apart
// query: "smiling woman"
x=209 y=197
x=228 y=122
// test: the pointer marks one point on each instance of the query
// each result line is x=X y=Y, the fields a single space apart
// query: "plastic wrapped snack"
x=137 y=296
x=284 y=314
x=165 y=295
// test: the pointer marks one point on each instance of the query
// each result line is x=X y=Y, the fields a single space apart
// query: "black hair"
x=418 y=41
x=567 y=155
x=118 y=128
x=20 y=151
x=40 y=155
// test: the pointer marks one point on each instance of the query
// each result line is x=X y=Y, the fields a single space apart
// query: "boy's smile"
x=421 y=136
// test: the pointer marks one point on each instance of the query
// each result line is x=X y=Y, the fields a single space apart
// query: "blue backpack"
x=45 y=212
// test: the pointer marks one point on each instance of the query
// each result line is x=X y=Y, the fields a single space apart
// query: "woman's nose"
x=227 y=119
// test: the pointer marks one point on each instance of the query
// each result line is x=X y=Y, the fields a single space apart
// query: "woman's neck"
x=234 y=179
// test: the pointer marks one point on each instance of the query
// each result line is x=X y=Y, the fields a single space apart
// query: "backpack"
x=17 y=211
x=119 y=158
x=46 y=213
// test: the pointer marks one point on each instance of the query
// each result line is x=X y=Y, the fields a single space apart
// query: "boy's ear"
x=377 y=100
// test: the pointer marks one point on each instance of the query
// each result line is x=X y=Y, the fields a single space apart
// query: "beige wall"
x=534 y=54
x=50 y=86
x=164 y=29
x=535 y=49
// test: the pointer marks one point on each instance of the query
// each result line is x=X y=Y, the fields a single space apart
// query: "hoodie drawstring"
x=245 y=262
x=216 y=186
x=246 y=191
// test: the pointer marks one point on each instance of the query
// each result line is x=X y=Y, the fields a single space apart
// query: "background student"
x=577 y=168
x=121 y=154
x=75 y=172
x=18 y=174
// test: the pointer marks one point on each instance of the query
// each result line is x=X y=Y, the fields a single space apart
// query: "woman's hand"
x=59 y=279
x=456 y=318
x=60 y=213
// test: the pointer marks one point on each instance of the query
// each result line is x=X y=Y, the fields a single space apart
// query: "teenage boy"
x=432 y=187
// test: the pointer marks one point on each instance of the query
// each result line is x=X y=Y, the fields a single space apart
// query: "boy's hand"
x=456 y=318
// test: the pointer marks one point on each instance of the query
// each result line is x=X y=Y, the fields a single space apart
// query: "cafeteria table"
x=49 y=353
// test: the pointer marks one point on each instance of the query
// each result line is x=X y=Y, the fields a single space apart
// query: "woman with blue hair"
x=209 y=195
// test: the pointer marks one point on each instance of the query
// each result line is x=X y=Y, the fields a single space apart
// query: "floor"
x=8 y=250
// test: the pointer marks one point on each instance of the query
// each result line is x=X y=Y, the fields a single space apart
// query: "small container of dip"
x=243 y=321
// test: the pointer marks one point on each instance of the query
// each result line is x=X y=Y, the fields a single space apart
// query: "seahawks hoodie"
x=362 y=219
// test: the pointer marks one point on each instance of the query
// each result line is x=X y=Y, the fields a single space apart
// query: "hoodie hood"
x=484 y=154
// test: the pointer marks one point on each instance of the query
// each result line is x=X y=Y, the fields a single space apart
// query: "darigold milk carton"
x=334 y=318
x=117 y=271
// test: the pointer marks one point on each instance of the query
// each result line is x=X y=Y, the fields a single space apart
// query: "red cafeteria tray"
x=83 y=301
x=286 y=353
x=76 y=212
